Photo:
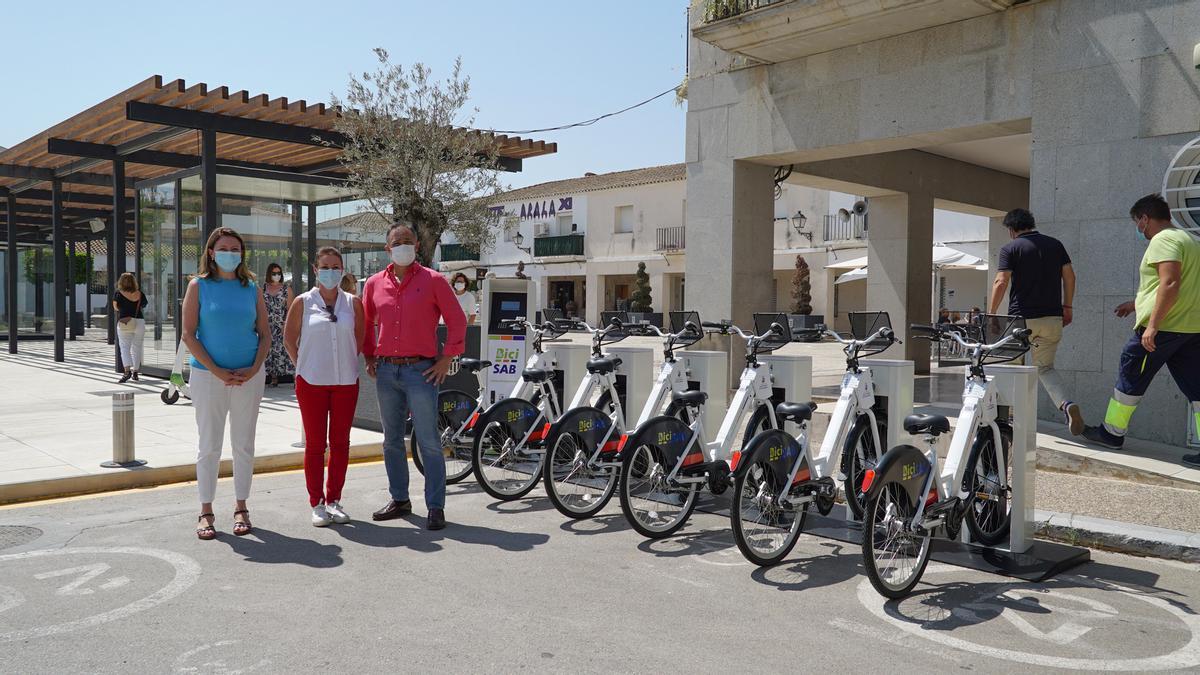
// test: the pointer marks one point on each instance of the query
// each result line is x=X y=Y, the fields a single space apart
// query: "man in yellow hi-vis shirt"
x=1167 y=331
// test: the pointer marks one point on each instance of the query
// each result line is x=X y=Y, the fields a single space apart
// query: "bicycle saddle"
x=603 y=364
x=473 y=365
x=923 y=423
x=536 y=374
x=692 y=398
x=796 y=412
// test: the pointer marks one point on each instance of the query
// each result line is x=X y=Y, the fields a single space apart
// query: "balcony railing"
x=837 y=229
x=669 y=238
x=458 y=252
x=715 y=10
x=568 y=244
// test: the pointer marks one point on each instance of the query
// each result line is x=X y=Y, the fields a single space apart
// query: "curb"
x=141 y=477
x=1050 y=459
x=1112 y=535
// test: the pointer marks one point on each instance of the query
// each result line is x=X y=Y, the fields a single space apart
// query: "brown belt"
x=403 y=360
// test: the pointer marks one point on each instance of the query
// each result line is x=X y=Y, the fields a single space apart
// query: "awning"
x=852 y=275
x=944 y=257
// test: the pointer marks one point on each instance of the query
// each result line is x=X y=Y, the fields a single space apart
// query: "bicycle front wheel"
x=764 y=531
x=894 y=556
x=859 y=454
x=456 y=451
x=652 y=505
x=988 y=505
x=503 y=467
x=577 y=487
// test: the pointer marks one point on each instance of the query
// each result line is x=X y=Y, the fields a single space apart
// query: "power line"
x=585 y=122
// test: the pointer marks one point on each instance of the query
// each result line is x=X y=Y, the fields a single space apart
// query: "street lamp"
x=519 y=239
x=798 y=223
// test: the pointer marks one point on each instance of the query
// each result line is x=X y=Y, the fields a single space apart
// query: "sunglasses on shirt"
x=332 y=316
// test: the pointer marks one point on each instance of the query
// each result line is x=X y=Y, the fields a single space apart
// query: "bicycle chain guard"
x=719 y=477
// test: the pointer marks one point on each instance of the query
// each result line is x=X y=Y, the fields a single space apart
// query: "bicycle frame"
x=549 y=407
x=856 y=397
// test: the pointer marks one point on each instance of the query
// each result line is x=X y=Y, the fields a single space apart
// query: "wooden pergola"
x=82 y=172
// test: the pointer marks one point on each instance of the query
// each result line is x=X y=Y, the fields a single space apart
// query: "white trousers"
x=130 y=336
x=213 y=401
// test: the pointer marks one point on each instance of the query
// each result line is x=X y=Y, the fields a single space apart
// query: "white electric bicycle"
x=510 y=448
x=779 y=476
x=582 y=464
x=504 y=439
x=906 y=496
x=666 y=460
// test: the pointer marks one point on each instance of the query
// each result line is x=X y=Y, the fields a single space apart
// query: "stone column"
x=900 y=267
x=594 y=297
x=658 y=294
x=997 y=238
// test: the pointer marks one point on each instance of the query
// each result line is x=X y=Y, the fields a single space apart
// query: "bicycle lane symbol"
x=89 y=580
x=1076 y=616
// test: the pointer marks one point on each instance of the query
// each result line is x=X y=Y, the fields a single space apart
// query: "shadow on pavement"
x=604 y=524
x=526 y=505
x=692 y=543
x=419 y=539
x=841 y=563
x=267 y=546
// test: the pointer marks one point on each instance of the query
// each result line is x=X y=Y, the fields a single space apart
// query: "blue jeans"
x=401 y=390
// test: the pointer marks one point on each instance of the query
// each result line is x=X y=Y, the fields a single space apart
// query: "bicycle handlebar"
x=936 y=333
x=885 y=333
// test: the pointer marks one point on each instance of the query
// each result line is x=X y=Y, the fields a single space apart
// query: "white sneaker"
x=336 y=513
x=320 y=516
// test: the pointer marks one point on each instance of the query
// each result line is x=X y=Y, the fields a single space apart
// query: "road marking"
x=216 y=666
x=1185 y=657
x=86 y=573
x=880 y=635
x=187 y=571
x=9 y=598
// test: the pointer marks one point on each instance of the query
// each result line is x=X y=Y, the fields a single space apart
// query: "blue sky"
x=533 y=63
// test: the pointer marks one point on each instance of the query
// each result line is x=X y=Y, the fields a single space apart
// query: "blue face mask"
x=228 y=261
x=329 y=278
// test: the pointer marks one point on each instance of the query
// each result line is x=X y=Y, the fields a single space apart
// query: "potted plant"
x=800 y=312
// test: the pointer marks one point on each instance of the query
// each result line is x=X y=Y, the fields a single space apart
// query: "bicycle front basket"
x=995 y=327
x=762 y=324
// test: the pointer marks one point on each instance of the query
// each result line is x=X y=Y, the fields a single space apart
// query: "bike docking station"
x=1006 y=403
x=708 y=371
x=635 y=376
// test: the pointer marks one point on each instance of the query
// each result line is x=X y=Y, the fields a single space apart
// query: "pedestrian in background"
x=278 y=297
x=325 y=329
x=1166 y=323
x=403 y=304
x=466 y=299
x=128 y=303
x=1039 y=270
x=225 y=328
x=350 y=284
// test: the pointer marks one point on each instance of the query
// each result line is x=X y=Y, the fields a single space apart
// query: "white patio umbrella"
x=944 y=258
x=852 y=275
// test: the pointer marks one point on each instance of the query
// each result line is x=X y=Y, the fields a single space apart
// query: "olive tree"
x=411 y=152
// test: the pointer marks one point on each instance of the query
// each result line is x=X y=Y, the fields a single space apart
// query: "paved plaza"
x=515 y=587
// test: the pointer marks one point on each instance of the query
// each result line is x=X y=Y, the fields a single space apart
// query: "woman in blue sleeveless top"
x=225 y=328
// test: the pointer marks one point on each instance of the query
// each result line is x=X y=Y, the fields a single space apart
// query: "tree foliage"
x=640 y=300
x=39 y=267
x=801 y=288
x=411 y=152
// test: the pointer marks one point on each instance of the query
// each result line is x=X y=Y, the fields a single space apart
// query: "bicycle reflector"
x=868 y=478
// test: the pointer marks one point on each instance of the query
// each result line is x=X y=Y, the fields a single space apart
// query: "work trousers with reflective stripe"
x=1179 y=352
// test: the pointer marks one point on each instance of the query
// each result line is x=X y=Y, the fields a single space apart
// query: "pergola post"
x=116 y=254
x=208 y=183
x=71 y=301
x=87 y=285
x=180 y=286
x=312 y=243
x=60 y=271
x=111 y=282
x=11 y=272
x=297 y=236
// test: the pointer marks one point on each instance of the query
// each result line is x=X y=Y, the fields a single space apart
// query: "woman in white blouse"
x=466 y=299
x=324 y=334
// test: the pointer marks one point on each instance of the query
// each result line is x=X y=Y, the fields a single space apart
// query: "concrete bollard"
x=122 y=433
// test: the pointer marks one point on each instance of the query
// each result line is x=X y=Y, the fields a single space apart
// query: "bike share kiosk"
x=504 y=345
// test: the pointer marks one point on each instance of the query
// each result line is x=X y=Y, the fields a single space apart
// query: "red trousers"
x=327 y=412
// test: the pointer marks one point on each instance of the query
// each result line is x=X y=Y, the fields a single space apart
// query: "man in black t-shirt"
x=1043 y=284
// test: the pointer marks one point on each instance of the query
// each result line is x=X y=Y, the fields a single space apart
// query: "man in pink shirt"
x=402 y=306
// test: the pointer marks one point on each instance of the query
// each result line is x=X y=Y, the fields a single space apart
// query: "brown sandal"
x=207 y=532
x=242 y=527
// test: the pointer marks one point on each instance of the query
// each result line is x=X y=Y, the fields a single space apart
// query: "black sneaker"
x=1100 y=436
x=1192 y=460
x=125 y=378
x=135 y=376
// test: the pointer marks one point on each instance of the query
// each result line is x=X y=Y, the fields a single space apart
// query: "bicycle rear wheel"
x=456 y=451
x=504 y=468
x=894 y=556
x=764 y=531
x=654 y=507
x=988 y=506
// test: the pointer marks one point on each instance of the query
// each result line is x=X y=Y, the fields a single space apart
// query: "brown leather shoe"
x=393 y=510
x=436 y=519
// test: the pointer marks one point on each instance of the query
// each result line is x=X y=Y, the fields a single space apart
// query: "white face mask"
x=404 y=254
x=460 y=286
x=277 y=277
